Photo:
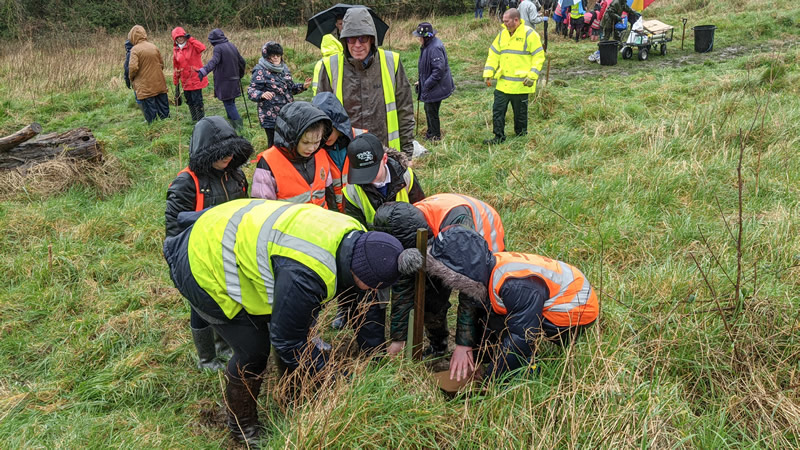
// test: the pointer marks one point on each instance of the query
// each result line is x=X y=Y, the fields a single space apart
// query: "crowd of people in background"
x=333 y=207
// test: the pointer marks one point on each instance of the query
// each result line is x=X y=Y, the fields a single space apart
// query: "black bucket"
x=704 y=38
x=608 y=52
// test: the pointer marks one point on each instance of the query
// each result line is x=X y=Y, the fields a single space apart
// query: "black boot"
x=224 y=350
x=206 y=352
x=198 y=112
x=437 y=349
x=242 y=409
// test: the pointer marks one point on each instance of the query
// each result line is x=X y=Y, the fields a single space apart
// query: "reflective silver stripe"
x=540 y=49
x=515 y=52
x=339 y=198
x=479 y=220
x=390 y=65
x=488 y=68
x=394 y=135
x=334 y=61
x=305 y=197
x=503 y=77
x=530 y=30
x=231 y=269
x=353 y=196
x=391 y=106
x=536 y=71
x=301 y=245
x=494 y=49
x=337 y=182
x=580 y=299
x=262 y=250
x=562 y=279
x=314 y=84
x=344 y=179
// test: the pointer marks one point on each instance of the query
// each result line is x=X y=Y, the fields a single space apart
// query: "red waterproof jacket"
x=187 y=61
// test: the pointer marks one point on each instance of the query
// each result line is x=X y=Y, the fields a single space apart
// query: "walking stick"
x=416 y=120
x=247 y=111
x=545 y=35
x=419 y=296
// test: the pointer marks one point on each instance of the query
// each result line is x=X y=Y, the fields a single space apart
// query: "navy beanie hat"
x=375 y=259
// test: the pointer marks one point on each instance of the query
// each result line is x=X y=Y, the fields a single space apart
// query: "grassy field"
x=668 y=182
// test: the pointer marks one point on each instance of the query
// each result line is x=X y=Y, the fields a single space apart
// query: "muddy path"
x=670 y=61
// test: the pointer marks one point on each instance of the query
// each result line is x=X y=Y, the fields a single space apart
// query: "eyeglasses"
x=360 y=39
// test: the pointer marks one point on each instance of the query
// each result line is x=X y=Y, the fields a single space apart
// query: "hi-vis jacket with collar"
x=512 y=58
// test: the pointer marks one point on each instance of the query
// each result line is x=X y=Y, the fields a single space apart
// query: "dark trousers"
x=248 y=336
x=270 y=136
x=155 y=107
x=194 y=99
x=367 y=315
x=432 y=115
x=577 y=25
x=519 y=104
x=230 y=109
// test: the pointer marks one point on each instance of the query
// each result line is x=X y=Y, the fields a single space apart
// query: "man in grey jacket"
x=529 y=13
x=356 y=76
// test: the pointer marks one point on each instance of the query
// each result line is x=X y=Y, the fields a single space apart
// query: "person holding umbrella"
x=435 y=81
x=364 y=71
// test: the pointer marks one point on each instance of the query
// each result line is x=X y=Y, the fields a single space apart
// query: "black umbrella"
x=325 y=22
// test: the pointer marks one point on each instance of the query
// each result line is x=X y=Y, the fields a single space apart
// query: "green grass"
x=629 y=172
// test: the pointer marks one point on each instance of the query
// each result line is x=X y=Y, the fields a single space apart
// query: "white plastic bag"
x=419 y=150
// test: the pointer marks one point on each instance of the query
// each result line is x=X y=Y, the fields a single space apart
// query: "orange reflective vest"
x=199 y=197
x=572 y=300
x=291 y=186
x=339 y=180
x=487 y=220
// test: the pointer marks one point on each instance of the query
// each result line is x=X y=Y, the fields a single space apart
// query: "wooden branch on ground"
x=78 y=143
x=13 y=140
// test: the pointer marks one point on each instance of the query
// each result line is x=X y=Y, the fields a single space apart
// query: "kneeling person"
x=521 y=296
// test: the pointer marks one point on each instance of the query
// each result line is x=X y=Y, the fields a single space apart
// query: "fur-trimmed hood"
x=462 y=259
x=214 y=139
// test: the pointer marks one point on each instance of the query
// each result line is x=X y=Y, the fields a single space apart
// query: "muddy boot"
x=242 y=409
x=222 y=348
x=437 y=349
x=206 y=352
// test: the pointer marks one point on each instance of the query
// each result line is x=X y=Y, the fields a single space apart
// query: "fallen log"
x=13 y=140
x=78 y=143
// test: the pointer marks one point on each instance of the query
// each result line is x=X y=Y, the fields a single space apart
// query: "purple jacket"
x=435 y=80
x=227 y=64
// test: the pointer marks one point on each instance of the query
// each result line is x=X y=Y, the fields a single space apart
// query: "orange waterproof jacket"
x=291 y=186
x=572 y=300
x=339 y=180
x=487 y=220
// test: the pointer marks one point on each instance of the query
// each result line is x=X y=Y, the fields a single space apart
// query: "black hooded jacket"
x=292 y=122
x=332 y=107
x=212 y=140
x=402 y=220
x=461 y=257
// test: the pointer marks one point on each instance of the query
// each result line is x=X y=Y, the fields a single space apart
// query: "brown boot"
x=242 y=409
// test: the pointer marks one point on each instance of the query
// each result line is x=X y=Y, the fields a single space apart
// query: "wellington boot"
x=206 y=352
x=242 y=409
x=224 y=350
x=437 y=349
x=198 y=112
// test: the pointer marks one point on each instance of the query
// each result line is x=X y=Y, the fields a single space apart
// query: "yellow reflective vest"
x=330 y=46
x=231 y=246
x=513 y=58
x=355 y=194
x=389 y=61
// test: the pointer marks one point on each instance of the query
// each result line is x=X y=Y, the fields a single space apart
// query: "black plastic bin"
x=608 y=52
x=704 y=38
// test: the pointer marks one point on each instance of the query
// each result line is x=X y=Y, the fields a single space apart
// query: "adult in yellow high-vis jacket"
x=371 y=83
x=515 y=60
x=259 y=270
x=329 y=47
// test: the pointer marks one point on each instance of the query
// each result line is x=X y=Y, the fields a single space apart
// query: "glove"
x=200 y=74
x=545 y=19
x=488 y=82
x=528 y=81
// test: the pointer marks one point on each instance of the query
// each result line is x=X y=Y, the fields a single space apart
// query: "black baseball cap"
x=364 y=154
